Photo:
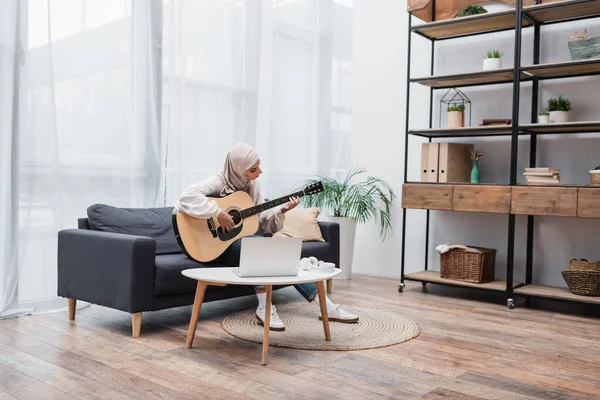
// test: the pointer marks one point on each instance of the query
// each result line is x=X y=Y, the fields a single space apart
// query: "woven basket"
x=584 y=265
x=595 y=178
x=583 y=49
x=583 y=283
x=462 y=265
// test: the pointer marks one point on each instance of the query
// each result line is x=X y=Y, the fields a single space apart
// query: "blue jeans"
x=231 y=257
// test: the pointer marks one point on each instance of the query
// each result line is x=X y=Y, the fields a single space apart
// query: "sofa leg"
x=72 y=305
x=329 y=285
x=136 y=324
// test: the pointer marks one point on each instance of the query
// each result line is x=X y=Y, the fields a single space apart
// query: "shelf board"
x=569 y=127
x=563 y=11
x=434 y=277
x=470 y=79
x=493 y=130
x=552 y=292
x=563 y=69
x=465 y=26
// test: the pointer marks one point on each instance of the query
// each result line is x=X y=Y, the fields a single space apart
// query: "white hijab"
x=240 y=158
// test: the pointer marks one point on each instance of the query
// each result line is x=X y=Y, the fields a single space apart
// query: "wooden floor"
x=471 y=347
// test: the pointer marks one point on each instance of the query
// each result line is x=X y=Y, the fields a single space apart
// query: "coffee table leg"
x=265 y=351
x=200 y=290
x=323 y=305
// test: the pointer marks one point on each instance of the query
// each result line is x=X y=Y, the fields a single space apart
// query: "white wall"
x=378 y=141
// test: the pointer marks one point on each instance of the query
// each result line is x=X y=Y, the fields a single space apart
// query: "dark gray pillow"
x=153 y=222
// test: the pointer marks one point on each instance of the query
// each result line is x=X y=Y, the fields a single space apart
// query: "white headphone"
x=308 y=263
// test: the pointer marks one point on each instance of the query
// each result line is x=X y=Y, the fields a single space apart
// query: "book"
x=543 y=170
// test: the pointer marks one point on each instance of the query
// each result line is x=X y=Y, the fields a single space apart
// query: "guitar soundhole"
x=236 y=216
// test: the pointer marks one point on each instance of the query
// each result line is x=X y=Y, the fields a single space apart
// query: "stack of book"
x=542 y=176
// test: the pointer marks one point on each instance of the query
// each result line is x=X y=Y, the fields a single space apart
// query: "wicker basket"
x=595 y=177
x=584 y=265
x=583 y=283
x=462 y=265
x=584 y=49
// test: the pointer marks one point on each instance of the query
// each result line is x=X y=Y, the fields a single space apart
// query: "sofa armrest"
x=109 y=269
x=331 y=234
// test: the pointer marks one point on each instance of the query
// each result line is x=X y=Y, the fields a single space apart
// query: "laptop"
x=269 y=256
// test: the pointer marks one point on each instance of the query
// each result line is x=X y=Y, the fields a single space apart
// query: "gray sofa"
x=129 y=259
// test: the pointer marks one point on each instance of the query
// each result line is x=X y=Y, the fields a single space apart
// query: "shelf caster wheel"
x=424 y=284
x=401 y=287
x=510 y=303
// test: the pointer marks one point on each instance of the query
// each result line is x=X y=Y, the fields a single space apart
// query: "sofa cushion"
x=153 y=222
x=169 y=280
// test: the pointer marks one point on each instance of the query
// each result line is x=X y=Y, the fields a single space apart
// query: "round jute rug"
x=304 y=330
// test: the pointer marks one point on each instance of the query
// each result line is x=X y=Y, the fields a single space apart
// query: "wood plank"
x=588 y=203
x=563 y=69
x=466 y=131
x=564 y=11
x=468 y=25
x=24 y=387
x=432 y=197
x=530 y=200
x=447 y=394
x=553 y=292
x=493 y=199
x=434 y=277
x=569 y=127
x=468 y=79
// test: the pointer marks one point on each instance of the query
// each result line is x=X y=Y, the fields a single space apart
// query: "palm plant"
x=360 y=201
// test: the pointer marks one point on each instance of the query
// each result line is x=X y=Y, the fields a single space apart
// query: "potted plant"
x=472 y=10
x=595 y=176
x=492 y=60
x=582 y=47
x=559 y=109
x=456 y=115
x=352 y=201
x=543 y=116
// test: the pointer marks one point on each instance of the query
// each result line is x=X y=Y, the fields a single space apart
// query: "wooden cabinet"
x=492 y=199
x=431 y=197
x=531 y=200
x=588 y=203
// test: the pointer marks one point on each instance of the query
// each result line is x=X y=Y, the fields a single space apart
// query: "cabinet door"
x=588 y=203
x=531 y=200
x=492 y=199
x=430 y=197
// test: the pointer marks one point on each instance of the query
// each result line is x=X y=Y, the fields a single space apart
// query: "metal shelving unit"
x=535 y=17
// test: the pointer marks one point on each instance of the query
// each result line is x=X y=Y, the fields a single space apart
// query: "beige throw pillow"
x=302 y=223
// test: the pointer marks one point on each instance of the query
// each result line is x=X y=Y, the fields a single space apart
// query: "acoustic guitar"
x=204 y=240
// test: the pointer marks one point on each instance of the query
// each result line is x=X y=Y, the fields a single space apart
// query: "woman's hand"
x=225 y=221
x=290 y=205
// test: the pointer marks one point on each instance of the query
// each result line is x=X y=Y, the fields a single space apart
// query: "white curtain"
x=90 y=132
x=272 y=73
x=126 y=102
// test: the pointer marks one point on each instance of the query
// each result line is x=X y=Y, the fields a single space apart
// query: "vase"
x=475 y=172
x=347 y=236
x=456 y=119
x=492 y=63
x=559 y=117
x=543 y=119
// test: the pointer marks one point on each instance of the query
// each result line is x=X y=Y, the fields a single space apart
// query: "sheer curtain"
x=273 y=73
x=90 y=133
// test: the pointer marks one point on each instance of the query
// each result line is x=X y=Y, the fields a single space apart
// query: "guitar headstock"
x=313 y=188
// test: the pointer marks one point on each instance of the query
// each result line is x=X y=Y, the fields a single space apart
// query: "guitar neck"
x=248 y=212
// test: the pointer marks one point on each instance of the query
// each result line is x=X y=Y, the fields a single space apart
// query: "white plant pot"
x=559 y=117
x=347 y=235
x=492 y=63
x=543 y=119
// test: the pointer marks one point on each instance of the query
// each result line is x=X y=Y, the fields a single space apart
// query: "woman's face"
x=253 y=172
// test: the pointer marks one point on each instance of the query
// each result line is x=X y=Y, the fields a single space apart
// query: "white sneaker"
x=276 y=324
x=338 y=314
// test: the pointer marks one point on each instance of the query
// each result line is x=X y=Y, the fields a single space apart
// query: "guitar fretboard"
x=248 y=212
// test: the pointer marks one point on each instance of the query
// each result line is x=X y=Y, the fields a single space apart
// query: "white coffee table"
x=226 y=276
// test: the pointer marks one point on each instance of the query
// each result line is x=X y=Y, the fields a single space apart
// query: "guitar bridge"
x=212 y=228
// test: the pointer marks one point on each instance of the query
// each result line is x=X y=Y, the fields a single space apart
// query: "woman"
x=242 y=167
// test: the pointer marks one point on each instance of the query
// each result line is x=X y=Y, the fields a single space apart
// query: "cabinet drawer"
x=492 y=199
x=588 y=203
x=544 y=201
x=431 y=197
